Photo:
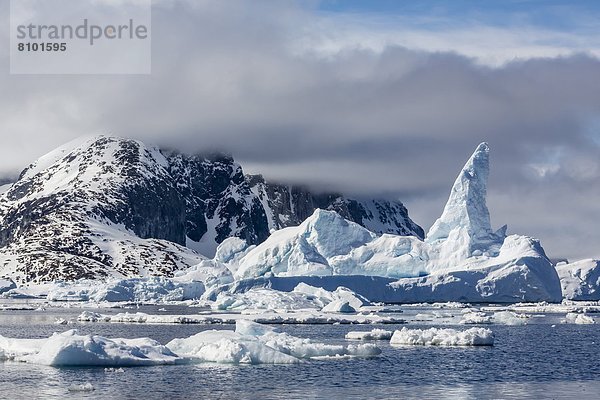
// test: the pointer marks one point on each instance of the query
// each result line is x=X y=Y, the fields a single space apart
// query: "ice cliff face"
x=104 y=206
x=580 y=280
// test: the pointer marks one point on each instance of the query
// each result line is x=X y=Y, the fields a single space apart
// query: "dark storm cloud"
x=394 y=121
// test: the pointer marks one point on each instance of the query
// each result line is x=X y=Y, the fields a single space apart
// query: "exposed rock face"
x=105 y=206
x=218 y=201
x=290 y=205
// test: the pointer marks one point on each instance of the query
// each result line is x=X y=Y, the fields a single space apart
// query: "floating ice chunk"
x=339 y=306
x=580 y=319
x=509 y=318
x=71 y=349
x=144 y=290
x=580 y=280
x=302 y=297
x=253 y=343
x=375 y=334
x=266 y=299
x=443 y=337
x=84 y=387
x=475 y=318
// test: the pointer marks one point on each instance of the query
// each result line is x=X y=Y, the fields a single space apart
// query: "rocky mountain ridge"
x=106 y=206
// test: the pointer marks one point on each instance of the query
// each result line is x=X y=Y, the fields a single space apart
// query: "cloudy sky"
x=384 y=98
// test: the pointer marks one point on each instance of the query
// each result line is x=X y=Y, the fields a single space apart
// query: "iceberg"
x=580 y=280
x=509 y=318
x=443 y=337
x=461 y=259
x=375 y=334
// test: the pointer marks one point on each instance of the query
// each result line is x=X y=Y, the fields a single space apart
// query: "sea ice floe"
x=250 y=343
x=301 y=317
x=509 y=318
x=580 y=319
x=475 y=318
x=375 y=334
x=443 y=337
x=72 y=349
x=303 y=296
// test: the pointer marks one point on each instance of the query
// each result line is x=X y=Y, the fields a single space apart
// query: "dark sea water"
x=535 y=361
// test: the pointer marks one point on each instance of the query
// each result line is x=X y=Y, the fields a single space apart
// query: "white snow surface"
x=580 y=280
x=443 y=337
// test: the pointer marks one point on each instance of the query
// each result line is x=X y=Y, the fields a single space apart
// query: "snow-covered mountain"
x=106 y=206
x=96 y=207
x=290 y=205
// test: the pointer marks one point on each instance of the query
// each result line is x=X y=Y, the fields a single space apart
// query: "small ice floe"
x=252 y=343
x=339 y=306
x=72 y=349
x=475 y=318
x=443 y=337
x=375 y=334
x=509 y=318
x=62 y=321
x=263 y=317
x=580 y=319
x=84 y=387
x=113 y=369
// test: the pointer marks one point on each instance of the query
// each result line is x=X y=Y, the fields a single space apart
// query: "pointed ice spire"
x=466 y=217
